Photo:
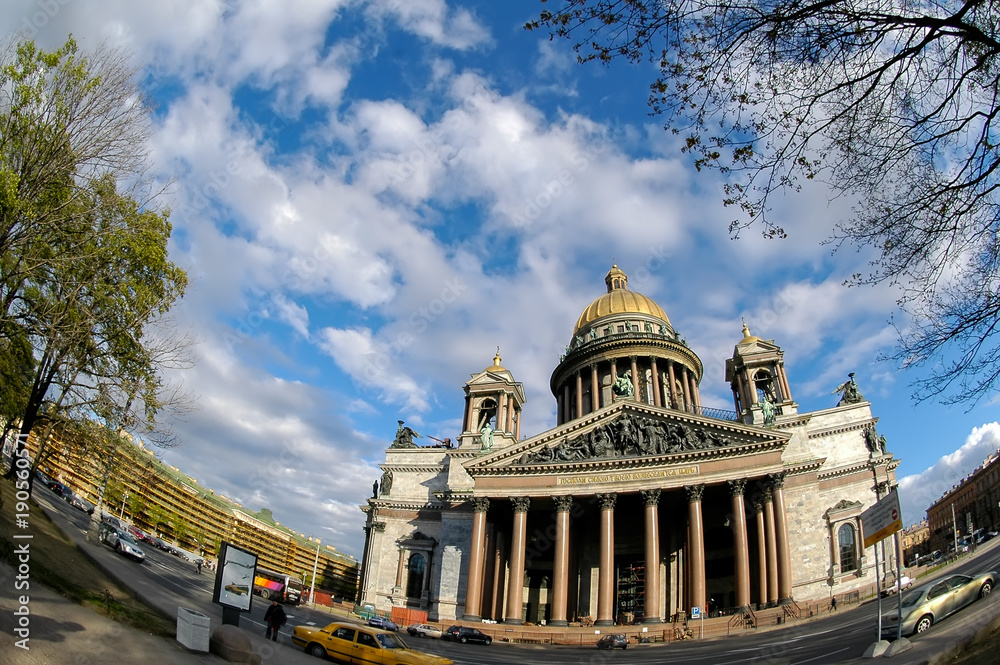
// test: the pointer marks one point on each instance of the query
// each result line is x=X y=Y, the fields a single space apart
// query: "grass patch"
x=57 y=563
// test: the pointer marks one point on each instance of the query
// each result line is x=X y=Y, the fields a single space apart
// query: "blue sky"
x=370 y=197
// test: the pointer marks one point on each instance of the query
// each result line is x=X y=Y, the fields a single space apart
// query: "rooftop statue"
x=486 y=438
x=849 y=393
x=623 y=385
x=404 y=438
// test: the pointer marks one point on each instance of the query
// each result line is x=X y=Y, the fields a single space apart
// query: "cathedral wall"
x=833 y=434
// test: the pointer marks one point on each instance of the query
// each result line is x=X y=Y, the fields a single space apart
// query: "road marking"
x=823 y=656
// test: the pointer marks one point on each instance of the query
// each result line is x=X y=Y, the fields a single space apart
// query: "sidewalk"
x=64 y=632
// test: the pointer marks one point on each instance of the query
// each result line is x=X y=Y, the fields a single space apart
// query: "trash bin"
x=193 y=629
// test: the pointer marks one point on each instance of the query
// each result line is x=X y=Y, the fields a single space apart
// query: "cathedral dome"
x=619 y=300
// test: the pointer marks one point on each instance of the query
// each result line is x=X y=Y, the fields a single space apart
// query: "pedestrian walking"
x=833 y=603
x=274 y=618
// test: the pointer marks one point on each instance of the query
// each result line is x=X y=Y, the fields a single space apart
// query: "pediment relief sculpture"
x=627 y=436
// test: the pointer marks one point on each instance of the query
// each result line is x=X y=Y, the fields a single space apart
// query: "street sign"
x=695 y=612
x=882 y=520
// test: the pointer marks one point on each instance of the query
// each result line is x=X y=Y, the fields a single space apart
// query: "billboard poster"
x=234 y=578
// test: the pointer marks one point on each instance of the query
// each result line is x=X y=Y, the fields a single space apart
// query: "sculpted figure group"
x=628 y=436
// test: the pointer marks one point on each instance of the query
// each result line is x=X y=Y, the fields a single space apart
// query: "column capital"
x=563 y=503
x=694 y=492
x=379 y=527
x=757 y=501
x=480 y=504
x=736 y=487
x=777 y=480
x=520 y=503
x=607 y=501
x=650 y=497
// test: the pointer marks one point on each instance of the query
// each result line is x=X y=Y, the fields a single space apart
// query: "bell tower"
x=756 y=374
x=493 y=402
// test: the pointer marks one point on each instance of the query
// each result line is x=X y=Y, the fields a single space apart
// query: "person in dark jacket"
x=274 y=618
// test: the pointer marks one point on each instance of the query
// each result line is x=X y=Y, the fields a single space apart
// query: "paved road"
x=169 y=582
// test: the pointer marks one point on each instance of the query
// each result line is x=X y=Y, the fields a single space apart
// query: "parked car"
x=58 y=488
x=613 y=641
x=350 y=643
x=904 y=584
x=424 y=630
x=121 y=542
x=927 y=604
x=383 y=623
x=80 y=503
x=465 y=634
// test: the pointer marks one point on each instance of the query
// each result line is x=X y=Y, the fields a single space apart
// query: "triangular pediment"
x=627 y=434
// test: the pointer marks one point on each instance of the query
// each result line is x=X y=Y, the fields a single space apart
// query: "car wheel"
x=464 y=640
x=624 y=646
x=924 y=623
x=488 y=641
x=264 y=594
x=119 y=548
x=316 y=650
x=985 y=589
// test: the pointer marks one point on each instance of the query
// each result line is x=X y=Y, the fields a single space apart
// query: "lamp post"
x=121 y=515
x=312 y=590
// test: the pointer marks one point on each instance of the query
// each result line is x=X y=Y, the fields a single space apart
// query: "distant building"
x=639 y=503
x=974 y=502
x=163 y=501
x=914 y=540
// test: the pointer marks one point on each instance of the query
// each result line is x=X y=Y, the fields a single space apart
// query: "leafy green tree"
x=893 y=104
x=86 y=276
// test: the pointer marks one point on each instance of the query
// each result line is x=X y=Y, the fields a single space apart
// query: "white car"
x=424 y=630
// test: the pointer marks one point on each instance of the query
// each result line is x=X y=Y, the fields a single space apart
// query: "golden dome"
x=496 y=366
x=747 y=337
x=619 y=300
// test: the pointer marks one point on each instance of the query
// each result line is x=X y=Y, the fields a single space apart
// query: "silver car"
x=927 y=604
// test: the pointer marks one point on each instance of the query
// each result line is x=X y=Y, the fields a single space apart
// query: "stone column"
x=516 y=583
x=579 y=395
x=510 y=416
x=651 y=610
x=688 y=391
x=567 y=408
x=697 y=549
x=560 y=561
x=477 y=550
x=400 y=567
x=467 y=416
x=672 y=387
x=657 y=396
x=501 y=412
x=781 y=535
x=758 y=508
x=772 y=557
x=741 y=551
x=696 y=391
x=606 y=575
x=517 y=426
x=595 y=389
x=635 y=378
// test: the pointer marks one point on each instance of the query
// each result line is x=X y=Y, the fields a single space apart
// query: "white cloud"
x=433 y=20
x=918 y=491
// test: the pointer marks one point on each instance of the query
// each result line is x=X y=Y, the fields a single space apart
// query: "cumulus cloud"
x=918 y=491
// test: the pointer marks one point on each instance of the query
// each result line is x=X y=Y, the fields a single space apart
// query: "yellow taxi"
x=362 y=645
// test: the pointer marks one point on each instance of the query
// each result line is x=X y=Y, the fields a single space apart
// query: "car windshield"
x=911 y=598
x=391 y=641
x=127 y=538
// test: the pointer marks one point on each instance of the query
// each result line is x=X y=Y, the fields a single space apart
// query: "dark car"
x=465 y=634
x=59 y=488
x=383 y=623
x=613 y=641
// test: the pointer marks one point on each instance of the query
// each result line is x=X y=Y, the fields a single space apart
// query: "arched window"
x=848 y=548
x=765 y=386
x=415 y=580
